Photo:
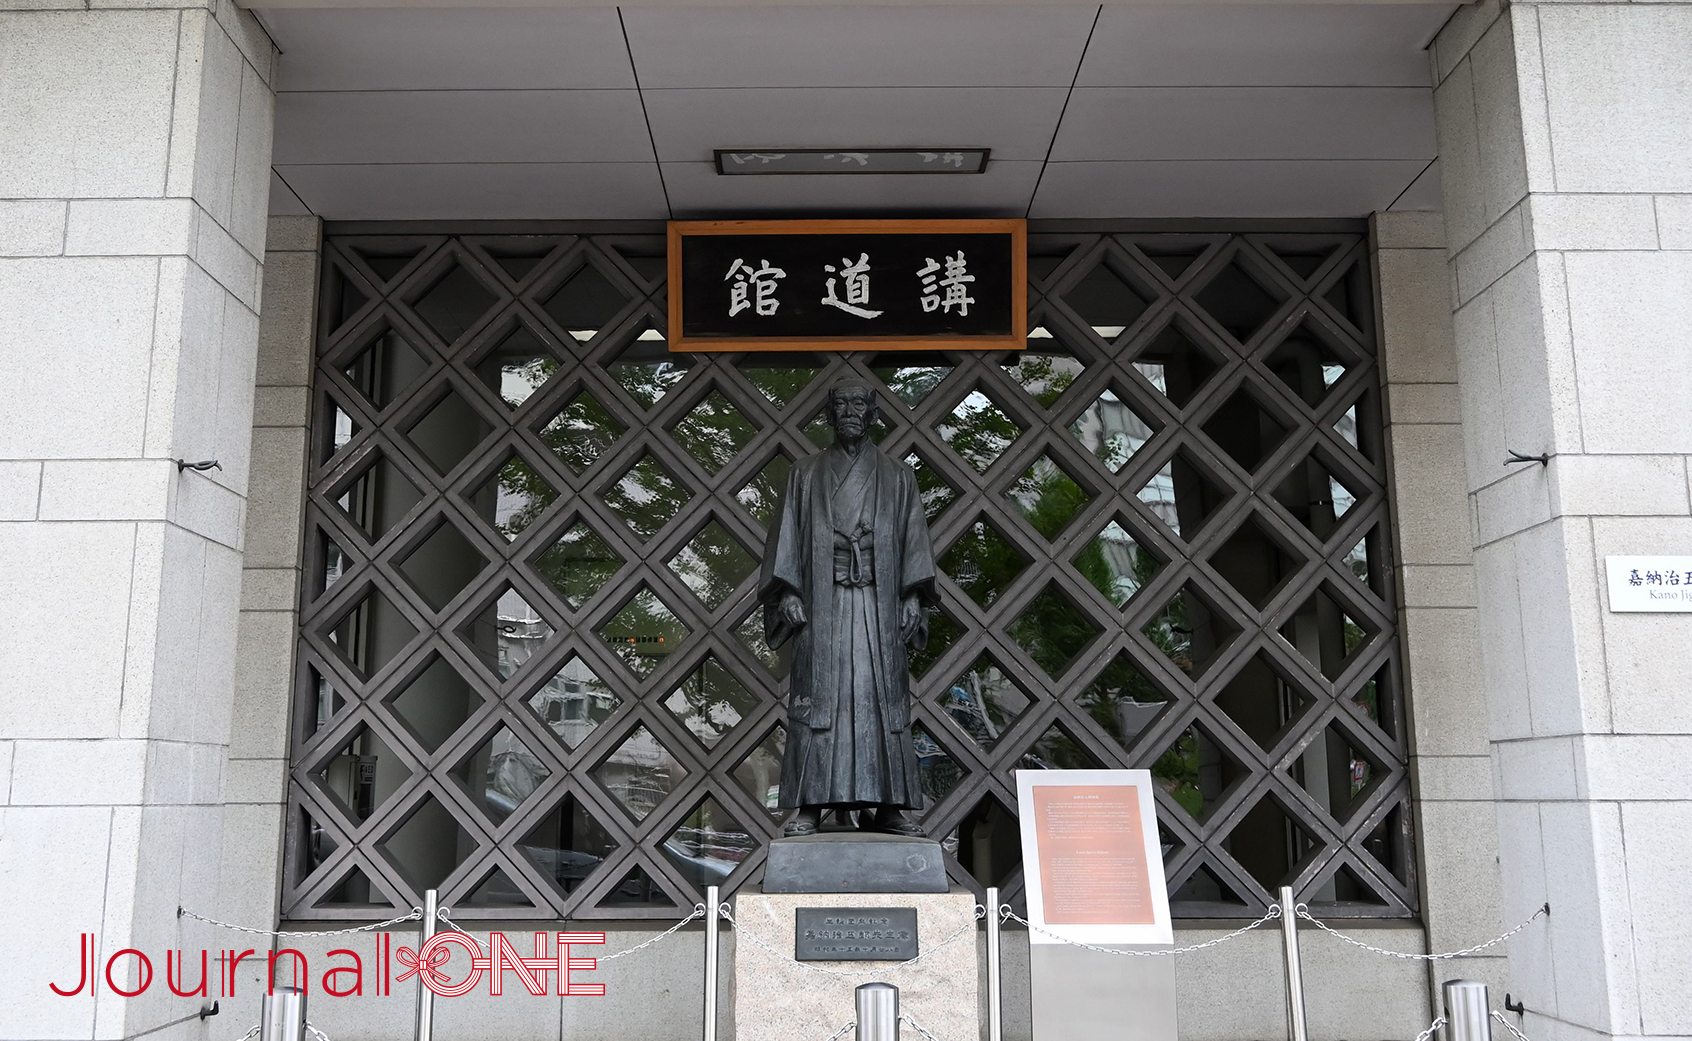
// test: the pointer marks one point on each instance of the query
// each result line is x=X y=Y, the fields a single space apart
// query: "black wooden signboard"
x=847 y=285
x=854 y=933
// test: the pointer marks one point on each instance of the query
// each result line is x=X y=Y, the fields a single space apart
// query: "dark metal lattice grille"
x=529 y=670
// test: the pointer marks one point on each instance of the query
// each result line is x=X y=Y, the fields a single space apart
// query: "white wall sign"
x=1092 y=862
x=1650 y=583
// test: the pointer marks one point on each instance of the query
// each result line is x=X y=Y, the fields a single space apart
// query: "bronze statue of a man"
x=849 y=577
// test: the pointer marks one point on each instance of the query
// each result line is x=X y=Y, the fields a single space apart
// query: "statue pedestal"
x=776 y=998
x=855 y=862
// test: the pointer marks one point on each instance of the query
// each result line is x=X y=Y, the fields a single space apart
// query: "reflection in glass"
x=449 y=432
x=983 y=562
x=453 y=304
x=1346 y=427
x=1116 y=564
x=497 y=890
x=713 y=432
x=780 y=377
x=1269 y=844
x=637 y=889
x=324 y=701
x=333 y=564
x=378 y=497
x=364 y=774
x=1245 y=430
x=506 y=632
x=760 y=772
x=1325 y=632
x=1195 y=772
x=567 y=845
x=369 y=635
x=517 y=366
x=429 y=846
x=500 y=774
x=914 y=376
x=442 y=565
x=578 y=564
x=1307 y=364
x=643 y=633
x=936 y=493
x=762 y=494
x=978 y=430
x=435 y=704
x=1056 y=749
x=1334 y=772
x=1111 y=431
x=943 y=631
x=1053 y=631
x=1374 y=697
x=1236 y=302
x=581 y=432
x=1047 y=496
x=385 y=369
x=984 y=702
x=646 y=497
x=987 y=843
x=1261 y=702
x=1105 y=301
x=1315 y=496
x=1046 y=368
x=751 y=634
x=1122 y=701
x=513 y=497
x=342 y=428
x=574 y=702
x=1253 y=562
x=712 y=564
x=1205 y=886
x=1182 y=496
x=1189 y=631
x=585 y=303
x=639 y=773
x=708 y=845
x=710 y=702
x=1175 y=365
x=938 y=772
x=647 y=369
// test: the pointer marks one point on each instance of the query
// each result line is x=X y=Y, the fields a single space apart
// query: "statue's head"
x=851 y=409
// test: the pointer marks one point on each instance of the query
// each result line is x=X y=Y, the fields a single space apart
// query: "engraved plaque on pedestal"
x=854 y=933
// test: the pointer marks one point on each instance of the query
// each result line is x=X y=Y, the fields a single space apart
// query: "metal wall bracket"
x=1517 y=457
x=204 y=464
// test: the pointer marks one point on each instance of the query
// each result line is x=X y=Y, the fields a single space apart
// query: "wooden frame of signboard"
x=1016 y=228
x=1107 y=840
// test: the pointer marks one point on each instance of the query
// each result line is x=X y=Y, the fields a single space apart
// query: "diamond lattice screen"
x=531 y=671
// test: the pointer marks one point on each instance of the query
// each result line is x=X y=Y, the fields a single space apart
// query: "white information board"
x=1092 y=861
x=1649 y=583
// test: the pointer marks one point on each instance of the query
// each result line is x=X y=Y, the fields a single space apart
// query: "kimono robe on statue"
x=851 y=540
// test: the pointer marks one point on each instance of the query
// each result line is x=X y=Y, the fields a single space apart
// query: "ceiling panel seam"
x=1079 y=63
x=644 y=115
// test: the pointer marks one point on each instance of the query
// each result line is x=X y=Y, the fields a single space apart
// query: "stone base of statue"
x=855 y=862
x=777 y=998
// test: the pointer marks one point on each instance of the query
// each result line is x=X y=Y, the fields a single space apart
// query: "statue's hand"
x=792 y=610
x=910 y=617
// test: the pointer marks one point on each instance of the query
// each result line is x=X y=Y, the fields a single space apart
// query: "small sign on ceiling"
x=848 y=285
x=1660 y=584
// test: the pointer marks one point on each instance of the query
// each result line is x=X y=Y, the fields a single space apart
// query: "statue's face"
x=852 y=410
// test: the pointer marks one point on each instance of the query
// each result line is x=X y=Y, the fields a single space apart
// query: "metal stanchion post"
x=425 y=996
x=282 y=1015
x=995 y=997
x=1295 y=973
x=1467 y=1011
x=878 y=1012
x=711 y=916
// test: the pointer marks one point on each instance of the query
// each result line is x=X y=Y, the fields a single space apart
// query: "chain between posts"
x=918 y=1027
x=1511 y=1027
x=416 y=915
x=1303 y=911
x=445 y=915
x=1433 y=1028
x=757 y=941
x=1274 y=912
x=851 y=1024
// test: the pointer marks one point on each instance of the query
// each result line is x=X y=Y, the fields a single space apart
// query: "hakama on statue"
x=851 y=541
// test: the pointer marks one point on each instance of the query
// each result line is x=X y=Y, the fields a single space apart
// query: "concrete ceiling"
x=1259 y=110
